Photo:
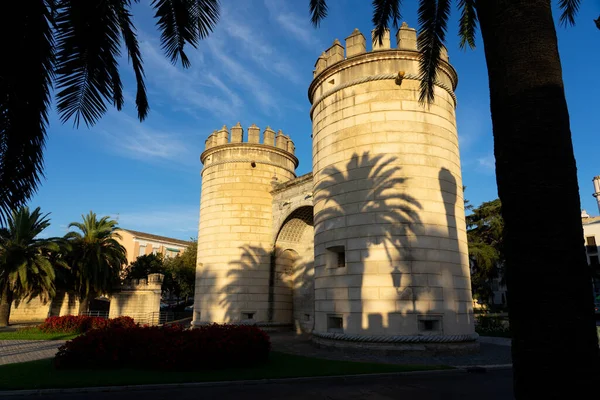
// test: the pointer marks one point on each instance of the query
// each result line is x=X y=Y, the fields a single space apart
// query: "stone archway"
x=294 y=270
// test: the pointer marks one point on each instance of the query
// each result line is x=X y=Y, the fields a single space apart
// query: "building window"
x=590 y=244
x=429 y=323
x=335 y=324
x=142 y=250
x=336 y=257
x=155 y=250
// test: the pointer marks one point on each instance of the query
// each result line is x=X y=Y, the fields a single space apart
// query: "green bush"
x=492 y=325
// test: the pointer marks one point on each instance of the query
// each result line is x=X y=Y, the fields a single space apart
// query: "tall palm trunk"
x=555 y=348
x=84 y=304
x=5 y=303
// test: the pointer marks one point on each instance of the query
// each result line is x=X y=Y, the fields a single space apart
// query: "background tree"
x=26 y=263
x=534 y=155
x=151 y=264
x=485 y=234
x=182 y=269
x=143 y=266
x=96 y=257
x=74 y=45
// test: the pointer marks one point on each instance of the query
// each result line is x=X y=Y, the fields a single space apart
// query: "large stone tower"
x=235 y=235
x=391 y=263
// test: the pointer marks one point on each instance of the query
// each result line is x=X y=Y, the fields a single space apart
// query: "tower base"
x=421 y=345
x=265 y=326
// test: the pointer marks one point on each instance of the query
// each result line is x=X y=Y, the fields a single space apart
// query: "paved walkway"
x=492 y=385
x=15 y=351
x=492 y=353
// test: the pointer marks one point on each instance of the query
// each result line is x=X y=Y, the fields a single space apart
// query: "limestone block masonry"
x=235 y=235
x=391 y=260
x=139 y=299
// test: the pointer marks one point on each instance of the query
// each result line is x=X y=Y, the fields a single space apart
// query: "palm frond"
x=433 y=21
x=318 y=11
x=25 y=84
x=467 y=26
x=135 y=56
x=383 y=12
x=569 y=10
x=88 y=39
x=184 y=22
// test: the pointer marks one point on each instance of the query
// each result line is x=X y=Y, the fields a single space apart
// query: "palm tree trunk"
x=84 y=304
x=5 y=303
x=555 y=347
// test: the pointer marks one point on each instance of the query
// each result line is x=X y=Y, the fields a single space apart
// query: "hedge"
x=169 y=347
x=81 y=323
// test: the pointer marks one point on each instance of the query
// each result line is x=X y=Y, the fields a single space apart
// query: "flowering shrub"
x=81 y=323
x=168 y=347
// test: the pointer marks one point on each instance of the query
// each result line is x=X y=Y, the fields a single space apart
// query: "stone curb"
x=132 y=388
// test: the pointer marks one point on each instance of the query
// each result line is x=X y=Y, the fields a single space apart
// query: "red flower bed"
x=208 y=347
x=81 y=323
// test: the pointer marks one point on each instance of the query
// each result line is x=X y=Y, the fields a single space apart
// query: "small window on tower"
x=336 y=257
x=335 y=324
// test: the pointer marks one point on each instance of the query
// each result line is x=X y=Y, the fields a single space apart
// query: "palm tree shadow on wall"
x=393 y=228
x=261 y=285
x=368 y=198
x=248 y=285
x=206 y=294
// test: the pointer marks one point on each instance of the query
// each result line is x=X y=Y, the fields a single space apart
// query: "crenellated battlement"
x=339 y=67
x=356 y=44
x=152 y=282
x=225 y=146
x=235 y=135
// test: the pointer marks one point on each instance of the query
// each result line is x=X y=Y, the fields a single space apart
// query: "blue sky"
x=256 y=68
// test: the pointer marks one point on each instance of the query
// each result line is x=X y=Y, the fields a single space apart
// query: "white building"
x=591 y=233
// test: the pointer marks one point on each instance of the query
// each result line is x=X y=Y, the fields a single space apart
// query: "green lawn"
x=35 y=334
x=41 y=374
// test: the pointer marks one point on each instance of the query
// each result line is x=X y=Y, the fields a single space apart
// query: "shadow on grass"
x=280 y=365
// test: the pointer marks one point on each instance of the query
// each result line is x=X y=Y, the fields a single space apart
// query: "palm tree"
x=74 y=45
x=555 y=347
x=96 y=257
x=26 y=270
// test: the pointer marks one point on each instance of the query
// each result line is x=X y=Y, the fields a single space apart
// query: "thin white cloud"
x=187 y=90
x=488 y=162
x=297 y=25
x=471 y=125
x=262 y=53
x=132 y=139
x=259 y=89
x=172 y=221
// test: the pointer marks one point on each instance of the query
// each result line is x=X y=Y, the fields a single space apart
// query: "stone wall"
x=36 y=310
x=139 y=299
x=33 y=310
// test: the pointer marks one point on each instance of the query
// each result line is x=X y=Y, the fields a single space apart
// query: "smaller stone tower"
x=235 y=238
x=596 y=194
